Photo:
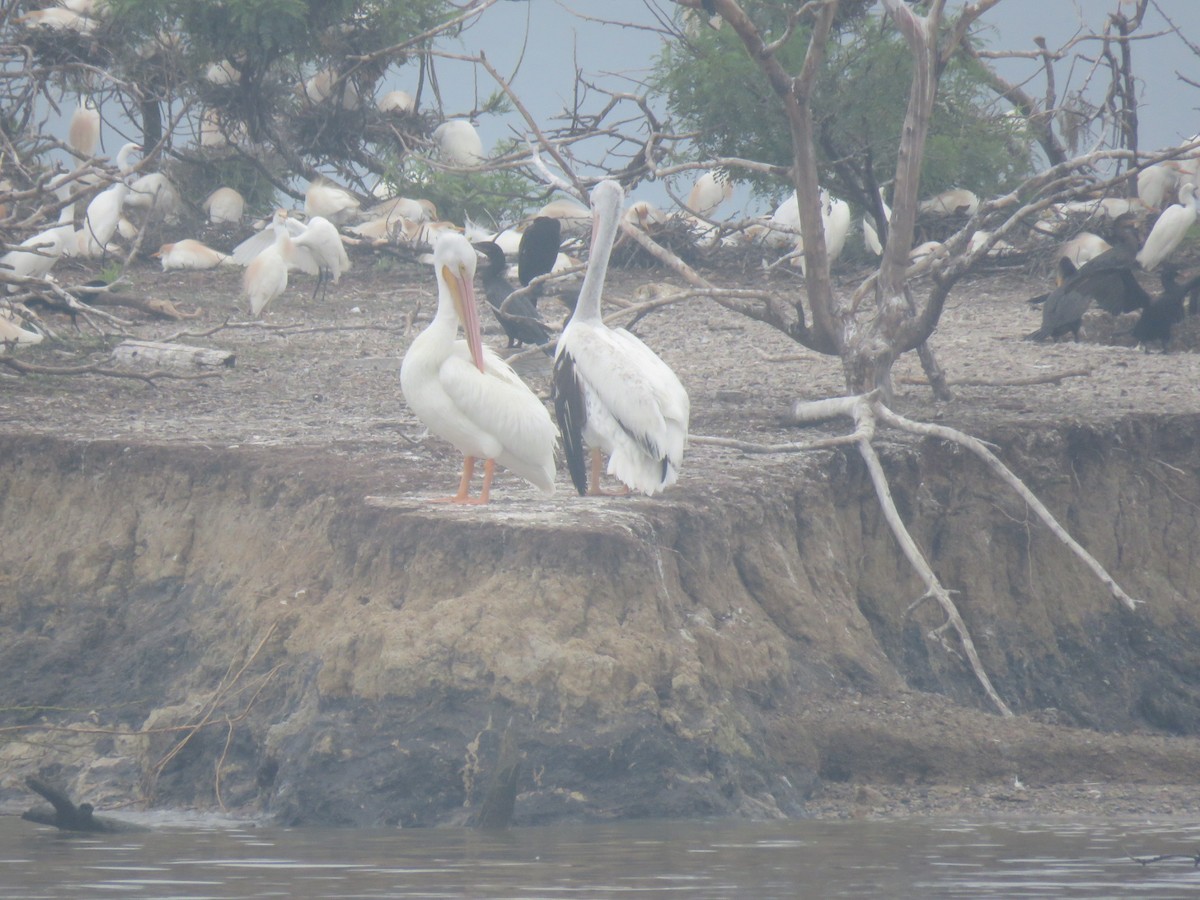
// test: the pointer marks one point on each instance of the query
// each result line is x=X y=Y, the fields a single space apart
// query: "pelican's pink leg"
x=464 y=485
x=594 y=489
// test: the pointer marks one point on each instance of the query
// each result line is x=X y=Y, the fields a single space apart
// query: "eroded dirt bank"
x=290 y=632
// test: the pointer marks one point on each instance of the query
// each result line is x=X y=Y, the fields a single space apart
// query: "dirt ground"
x=324 y=373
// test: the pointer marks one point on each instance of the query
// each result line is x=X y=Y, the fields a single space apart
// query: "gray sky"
x=551 y=37
x=554 y=39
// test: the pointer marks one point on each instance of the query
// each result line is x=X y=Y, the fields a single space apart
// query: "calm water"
x=660 y=859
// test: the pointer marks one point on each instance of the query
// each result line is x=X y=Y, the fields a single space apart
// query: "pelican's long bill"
x=462 y=289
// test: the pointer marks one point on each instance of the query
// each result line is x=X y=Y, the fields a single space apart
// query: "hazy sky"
x=555 y=39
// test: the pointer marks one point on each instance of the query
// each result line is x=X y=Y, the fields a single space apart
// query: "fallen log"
x=180 y=356
x=64 y=815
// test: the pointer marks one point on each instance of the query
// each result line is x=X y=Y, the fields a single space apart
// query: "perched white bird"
x=83 y=133
x=1155 y=182
x=190 y=254
x=222 y=73
x=612 y=394
x=331 y=201
x=413 y=209
x=644 y=214
x=835 y=223
x=317 y=248
x=573 y=216
x=104 y=212
x=465 y=394
x=1173 y=223
x=13 y=335
x=224 y=205
x=396 y=102
x=266 y=277
x=1081 y=248
x=57 y=18
x=155 y=191
x=459 y=143
x=45 y=248
x=957 y=201
x=709 y=191
x=327 y=83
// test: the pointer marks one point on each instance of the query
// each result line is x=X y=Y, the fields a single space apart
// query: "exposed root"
x=868 y=411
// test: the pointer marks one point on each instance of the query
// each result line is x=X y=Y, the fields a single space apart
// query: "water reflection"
x=658 y=859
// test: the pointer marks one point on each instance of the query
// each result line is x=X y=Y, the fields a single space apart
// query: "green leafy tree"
x=858 y=104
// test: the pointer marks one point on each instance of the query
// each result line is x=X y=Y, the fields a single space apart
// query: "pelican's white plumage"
x=611 y=392
x=1169 y=229
x=466 y=394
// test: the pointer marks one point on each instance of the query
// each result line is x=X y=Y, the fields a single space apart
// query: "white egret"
x=1168 y=231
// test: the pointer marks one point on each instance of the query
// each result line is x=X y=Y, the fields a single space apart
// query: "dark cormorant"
x=1166 y=310
x=520 y=320
x=1106 y=280
x=538 y=249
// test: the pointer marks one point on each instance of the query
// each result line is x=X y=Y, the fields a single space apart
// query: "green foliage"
x=861 y=97
x=500 y=196
x=273 y=45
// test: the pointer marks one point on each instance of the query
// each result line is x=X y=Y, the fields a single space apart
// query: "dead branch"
x=24 y=368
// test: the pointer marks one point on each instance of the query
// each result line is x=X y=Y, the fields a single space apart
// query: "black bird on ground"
x=538 y=249
x=1107 y=280
x=1166 y=310
x=520 y=321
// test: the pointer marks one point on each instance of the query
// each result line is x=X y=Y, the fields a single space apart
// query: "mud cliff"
x=280 y=631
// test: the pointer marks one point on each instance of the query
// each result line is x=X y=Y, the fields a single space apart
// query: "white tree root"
x=868 y=411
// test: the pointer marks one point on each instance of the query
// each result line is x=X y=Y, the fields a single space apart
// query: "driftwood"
x=66 y=816
x=179 y=356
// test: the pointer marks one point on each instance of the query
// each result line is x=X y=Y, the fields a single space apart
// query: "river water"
x=795 y=859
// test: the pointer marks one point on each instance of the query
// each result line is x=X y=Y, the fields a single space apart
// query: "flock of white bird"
x=612 y=394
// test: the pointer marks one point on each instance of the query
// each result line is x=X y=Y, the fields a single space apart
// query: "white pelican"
x=611 y=393
x=1169 y=229
x=466 y=394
